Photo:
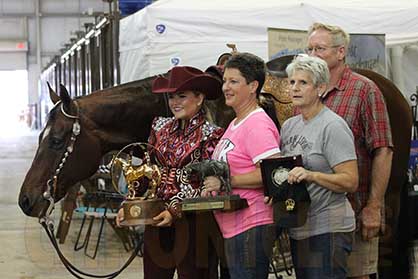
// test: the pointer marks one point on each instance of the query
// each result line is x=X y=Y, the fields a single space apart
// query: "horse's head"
x=67 y=153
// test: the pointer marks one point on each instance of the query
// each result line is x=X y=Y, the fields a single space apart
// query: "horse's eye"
x=55 y=143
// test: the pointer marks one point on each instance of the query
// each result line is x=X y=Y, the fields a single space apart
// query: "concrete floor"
x=25 y=250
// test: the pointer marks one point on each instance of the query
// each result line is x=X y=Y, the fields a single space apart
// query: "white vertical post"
x=397 y=71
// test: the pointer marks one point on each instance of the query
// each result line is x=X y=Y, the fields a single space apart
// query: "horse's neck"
x=122 y=117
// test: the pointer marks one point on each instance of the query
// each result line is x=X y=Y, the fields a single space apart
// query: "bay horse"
x=79 y=132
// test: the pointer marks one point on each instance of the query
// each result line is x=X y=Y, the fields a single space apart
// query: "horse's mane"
x=124 y=102
x=119 y=103
x=126 y=88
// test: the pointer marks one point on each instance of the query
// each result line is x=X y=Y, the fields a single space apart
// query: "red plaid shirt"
x=360 y=102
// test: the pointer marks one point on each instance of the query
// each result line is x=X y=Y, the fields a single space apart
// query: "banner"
x=366 y=51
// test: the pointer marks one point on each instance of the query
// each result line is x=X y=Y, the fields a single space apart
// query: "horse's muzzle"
x=26 y=205
x=32 y=207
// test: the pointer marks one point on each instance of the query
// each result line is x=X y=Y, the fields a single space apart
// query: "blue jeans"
x=248 y=253
x=322 y=256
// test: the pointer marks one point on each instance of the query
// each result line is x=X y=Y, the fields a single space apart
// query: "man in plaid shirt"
x=360 y=102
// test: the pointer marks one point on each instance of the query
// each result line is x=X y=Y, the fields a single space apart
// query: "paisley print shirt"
x=177 y=148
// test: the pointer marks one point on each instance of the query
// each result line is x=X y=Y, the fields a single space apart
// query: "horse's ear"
x=54 y=97
x=65 y=97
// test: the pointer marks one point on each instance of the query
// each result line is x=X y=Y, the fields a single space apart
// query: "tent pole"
x=397 y=72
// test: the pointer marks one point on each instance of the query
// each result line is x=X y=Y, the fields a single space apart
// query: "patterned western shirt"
x=177 y=148
x=360 y=102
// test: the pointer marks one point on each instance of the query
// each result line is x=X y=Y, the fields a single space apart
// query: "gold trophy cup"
x=136 y=176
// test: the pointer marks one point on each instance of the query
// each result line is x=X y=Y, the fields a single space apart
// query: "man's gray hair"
x=338 y=35
x=314 y=65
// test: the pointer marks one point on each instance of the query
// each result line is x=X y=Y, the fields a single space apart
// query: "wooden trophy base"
x=140 y=212
x=224 y=203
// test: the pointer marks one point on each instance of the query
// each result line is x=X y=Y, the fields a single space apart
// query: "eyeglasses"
x=319 y=49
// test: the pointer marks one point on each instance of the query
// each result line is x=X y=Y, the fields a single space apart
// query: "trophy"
x=136 y=176
x=290 y=201
x=226 y=201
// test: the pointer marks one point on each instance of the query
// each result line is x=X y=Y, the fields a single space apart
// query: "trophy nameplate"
x=141 y=212
x=134 y=167
x=225 y=201
x=290 y=201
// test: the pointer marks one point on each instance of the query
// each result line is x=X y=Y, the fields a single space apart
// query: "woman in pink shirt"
x=250 y=137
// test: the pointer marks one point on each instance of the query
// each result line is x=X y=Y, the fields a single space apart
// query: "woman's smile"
x=185 y=104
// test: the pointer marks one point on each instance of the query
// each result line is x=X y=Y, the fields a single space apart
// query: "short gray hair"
x=317 y=67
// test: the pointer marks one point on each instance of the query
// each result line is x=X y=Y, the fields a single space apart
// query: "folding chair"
x=101 y=206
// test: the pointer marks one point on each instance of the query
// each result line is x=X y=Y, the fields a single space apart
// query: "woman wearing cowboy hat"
x=178 y=242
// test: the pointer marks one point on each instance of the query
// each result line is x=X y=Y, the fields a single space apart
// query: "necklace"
x=245 y=114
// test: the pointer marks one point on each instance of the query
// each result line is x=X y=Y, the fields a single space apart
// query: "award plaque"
x=225 y=201
x=136 y=176
x=290 y=201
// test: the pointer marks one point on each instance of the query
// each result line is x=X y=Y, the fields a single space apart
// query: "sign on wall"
x=365 y=51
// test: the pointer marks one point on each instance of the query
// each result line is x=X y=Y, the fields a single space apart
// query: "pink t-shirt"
x=242 y=146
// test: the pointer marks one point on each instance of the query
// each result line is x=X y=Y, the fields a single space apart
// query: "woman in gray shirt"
x=321 y=246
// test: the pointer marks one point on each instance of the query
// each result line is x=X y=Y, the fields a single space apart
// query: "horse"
x=80 y=131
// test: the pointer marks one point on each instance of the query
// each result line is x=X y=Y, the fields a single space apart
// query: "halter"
x=51 y=184
x=51 y=187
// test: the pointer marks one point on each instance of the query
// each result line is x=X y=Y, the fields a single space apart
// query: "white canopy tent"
x=195 y=32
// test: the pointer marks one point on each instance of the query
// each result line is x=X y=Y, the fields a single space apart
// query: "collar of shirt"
x=191 y=125
x=342 y=83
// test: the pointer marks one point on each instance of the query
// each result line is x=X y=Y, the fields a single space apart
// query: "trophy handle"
x=115 y=182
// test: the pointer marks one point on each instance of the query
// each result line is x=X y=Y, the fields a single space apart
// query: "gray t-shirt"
x=324 y=142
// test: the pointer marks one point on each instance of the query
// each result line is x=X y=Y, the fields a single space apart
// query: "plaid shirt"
x=360 y=102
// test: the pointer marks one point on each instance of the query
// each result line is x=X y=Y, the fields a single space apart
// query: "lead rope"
x=49 y=228
x=48 y=223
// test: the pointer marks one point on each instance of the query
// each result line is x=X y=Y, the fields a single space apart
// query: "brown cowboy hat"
x=184 y=78
x=277 y=66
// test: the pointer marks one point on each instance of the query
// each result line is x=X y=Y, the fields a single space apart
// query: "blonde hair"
x=338 y=35
x=204 y=107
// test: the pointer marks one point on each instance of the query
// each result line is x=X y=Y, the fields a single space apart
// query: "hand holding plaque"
x=134 y=168
x=225 y=201
x=290 y=201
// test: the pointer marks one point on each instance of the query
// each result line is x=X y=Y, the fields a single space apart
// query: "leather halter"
x=48 y=223
x=52 y=182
